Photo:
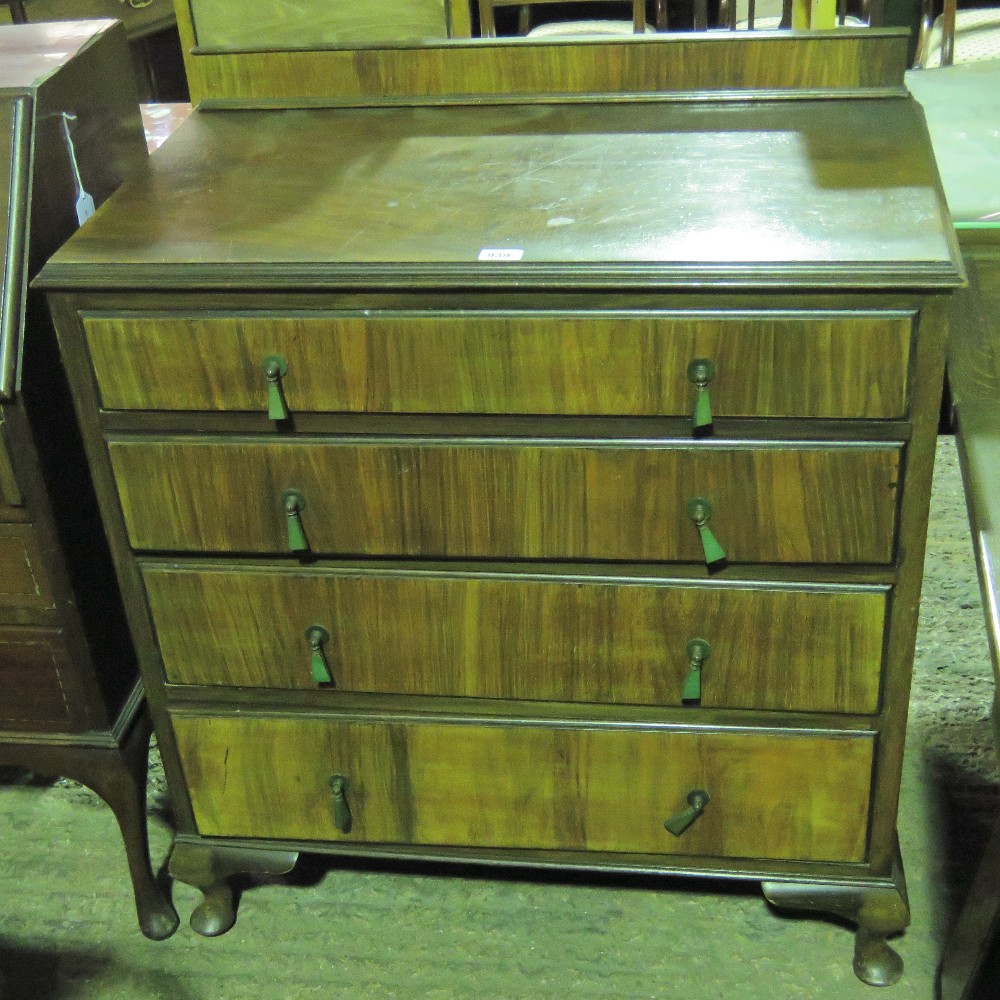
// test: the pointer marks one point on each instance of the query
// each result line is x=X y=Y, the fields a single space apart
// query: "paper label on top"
x=487 y=254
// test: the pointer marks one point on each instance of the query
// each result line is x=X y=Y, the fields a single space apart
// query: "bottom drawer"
x=32 y=662
x=772 y=795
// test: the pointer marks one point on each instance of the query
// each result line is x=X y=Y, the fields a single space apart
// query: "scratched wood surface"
x=819 y=191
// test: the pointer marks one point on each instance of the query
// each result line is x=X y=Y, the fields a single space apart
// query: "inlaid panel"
x=24 y=582
x=597 y=364
x=615 y=641
x=32 y=662
x=567 y=500
x=772 y=796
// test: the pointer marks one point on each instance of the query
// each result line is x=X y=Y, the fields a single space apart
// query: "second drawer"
x=621 y=500
x=614 y=641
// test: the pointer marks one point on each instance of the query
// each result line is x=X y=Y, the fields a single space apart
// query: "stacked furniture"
x=71 y=701
x=524 y=456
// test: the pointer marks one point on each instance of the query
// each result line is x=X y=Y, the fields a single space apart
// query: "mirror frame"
x=463 y=71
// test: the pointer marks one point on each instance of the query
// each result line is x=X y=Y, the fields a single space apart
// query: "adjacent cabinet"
x=71 y=701
x=533 y=482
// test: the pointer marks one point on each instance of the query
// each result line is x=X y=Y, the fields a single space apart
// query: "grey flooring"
x=67 y=927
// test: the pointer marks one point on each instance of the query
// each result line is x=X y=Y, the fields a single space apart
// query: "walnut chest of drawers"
x=538 y=484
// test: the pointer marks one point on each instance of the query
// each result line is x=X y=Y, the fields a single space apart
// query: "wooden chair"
x=957 y=36
x=801 y=14
x=637 y=24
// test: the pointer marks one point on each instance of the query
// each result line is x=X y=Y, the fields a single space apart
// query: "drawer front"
x=583 y=641
x=24 y=582
x=33 y=663
x=489 y=363
x=772 y=796
x=566 y=501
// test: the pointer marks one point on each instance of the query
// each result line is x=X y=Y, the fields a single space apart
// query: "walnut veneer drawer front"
x=23 y=580
x=772 y=796
x=629 y=364
x=567 y=500
x=575 y=640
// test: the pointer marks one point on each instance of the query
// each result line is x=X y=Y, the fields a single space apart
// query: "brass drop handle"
x=293 y=503
x=319 y=669
x=679 y=822
x=341 y=810
x=701 y=371
x=698 y=651
x=699 y=509
x=275 y=369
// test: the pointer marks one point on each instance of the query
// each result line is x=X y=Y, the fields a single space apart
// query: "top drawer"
x=790 y=364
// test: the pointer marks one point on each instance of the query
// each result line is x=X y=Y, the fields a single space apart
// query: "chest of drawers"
x=607 y=557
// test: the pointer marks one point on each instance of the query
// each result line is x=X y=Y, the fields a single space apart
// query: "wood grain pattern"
x=526 y=68
x=24 y=581
x=609 y=642
x=555 y=363
x=33 y=662
x=773 y=796
x=398 y=197
x=224 y=24
x=560 y=501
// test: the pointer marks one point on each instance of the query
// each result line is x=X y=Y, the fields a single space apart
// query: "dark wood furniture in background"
x=401 y=420
x=71 y=702
x=150 y=26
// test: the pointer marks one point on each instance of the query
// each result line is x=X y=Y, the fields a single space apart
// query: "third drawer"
x=613 y=640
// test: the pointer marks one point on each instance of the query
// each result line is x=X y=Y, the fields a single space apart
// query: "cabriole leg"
x=878 y=912
x=209 y=868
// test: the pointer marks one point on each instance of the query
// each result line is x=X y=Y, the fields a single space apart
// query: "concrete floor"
x=67 y=928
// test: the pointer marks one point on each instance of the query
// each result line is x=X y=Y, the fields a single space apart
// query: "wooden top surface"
x=31 y=53
x=745 y=193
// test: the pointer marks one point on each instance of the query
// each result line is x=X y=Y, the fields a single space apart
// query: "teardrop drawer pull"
x=275 y=369
x=701 y=371
x=341 y=810
x=319 y=669
x=700 y=511
x=679 y=822
x=293 y=503
x=698 y=651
